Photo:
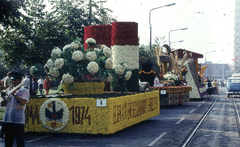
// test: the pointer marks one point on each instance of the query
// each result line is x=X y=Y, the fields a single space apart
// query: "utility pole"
x=90 y=12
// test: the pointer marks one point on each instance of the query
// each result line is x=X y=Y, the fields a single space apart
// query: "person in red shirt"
x=47 y=84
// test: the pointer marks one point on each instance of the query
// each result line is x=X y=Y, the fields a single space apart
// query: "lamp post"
x=169 y=42
x=206 y=59
x=150 y=25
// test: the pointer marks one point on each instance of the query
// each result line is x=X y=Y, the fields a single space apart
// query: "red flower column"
x=124 y=42
x=101 y=33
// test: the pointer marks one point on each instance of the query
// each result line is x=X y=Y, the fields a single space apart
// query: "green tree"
x=31 y=41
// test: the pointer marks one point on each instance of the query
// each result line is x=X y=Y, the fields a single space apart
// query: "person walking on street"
x=40 y=85
x=7 y=81
x=34 y=86
x=209 y=89
x=214 y=85
x=14 y=117
x=47 y=84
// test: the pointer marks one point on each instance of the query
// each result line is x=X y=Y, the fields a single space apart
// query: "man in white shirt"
x=14 y=117
x=40 y=85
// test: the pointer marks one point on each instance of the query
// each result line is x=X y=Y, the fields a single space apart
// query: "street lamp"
x=206 y=59
x=150 y=25
x=169 y=42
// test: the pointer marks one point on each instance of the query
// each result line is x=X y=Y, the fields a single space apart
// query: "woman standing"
x=47 y=84
x=209 y=89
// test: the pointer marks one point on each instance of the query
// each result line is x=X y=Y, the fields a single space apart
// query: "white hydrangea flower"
x=77 y=56
x=119 y=69
x=32 y=70
x=128 y=75
x=52 y=53
x=91 y=56
x=109 y=78
x=97 y=49
x=67 y=78
x=66 y=47
x=74 y=45
x=92 y=67
x=90 y=41
x=107 y=52
x=54 y=72
x=50 y=63
x=58 y=51
x=103 y=46
x=59 y=63
x=109 y=63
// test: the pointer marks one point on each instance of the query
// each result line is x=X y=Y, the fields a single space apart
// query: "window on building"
x=210 y=66
x=216 y=72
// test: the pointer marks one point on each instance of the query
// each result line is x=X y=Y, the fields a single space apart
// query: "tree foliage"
x=34 y=32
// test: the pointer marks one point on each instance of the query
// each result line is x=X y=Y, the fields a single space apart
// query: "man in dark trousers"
x=14 y=117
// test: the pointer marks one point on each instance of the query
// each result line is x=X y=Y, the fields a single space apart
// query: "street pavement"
x=170 y=128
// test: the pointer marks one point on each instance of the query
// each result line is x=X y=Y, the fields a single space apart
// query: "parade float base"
x=172 y=95
x=90 y=114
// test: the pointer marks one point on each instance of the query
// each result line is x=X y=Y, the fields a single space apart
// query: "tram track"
x=237 y=114
x=191 y=135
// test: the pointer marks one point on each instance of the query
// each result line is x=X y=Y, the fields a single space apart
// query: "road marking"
x=158 y=138
x=203 y=101
x=38 y=139
x=192 y=111
x=179 y=121
x=199 y=105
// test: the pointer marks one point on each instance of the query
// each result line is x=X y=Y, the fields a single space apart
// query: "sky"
x=210 y=24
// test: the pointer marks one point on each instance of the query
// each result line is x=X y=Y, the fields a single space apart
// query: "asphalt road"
x=169 y=129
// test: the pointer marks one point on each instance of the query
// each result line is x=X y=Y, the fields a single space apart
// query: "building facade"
x=236 y=52
x=217 y=70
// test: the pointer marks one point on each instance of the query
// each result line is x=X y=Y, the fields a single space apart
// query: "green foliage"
x=145 y=55
x=29 y=38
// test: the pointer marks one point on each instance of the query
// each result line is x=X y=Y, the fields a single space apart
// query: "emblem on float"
x=54 y=114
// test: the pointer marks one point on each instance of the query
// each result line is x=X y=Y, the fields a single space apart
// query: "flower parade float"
x=85 y=107
x=174 y=90
x=192 y=76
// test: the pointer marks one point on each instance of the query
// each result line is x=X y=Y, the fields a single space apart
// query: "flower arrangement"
x=80 y=115
x=170 y=76
x=73 y=63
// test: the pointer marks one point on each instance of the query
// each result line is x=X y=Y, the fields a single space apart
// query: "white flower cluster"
x=32 y=70
x=58 y=105
x=59 y=62
x=92 y=67
x=50 y=63
x=66 y=47
x=97 y=49
x=170 y=76
x=75 y=45
x=67 y=78
x=77 y=56
x=90 y=41
x=128 y=75
x=107 y=51
x=109 y=63
x=128 y=54
x=56 y=51
x=91 y=56
x=119 y=69
x=54 y=72
x=109 y=78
